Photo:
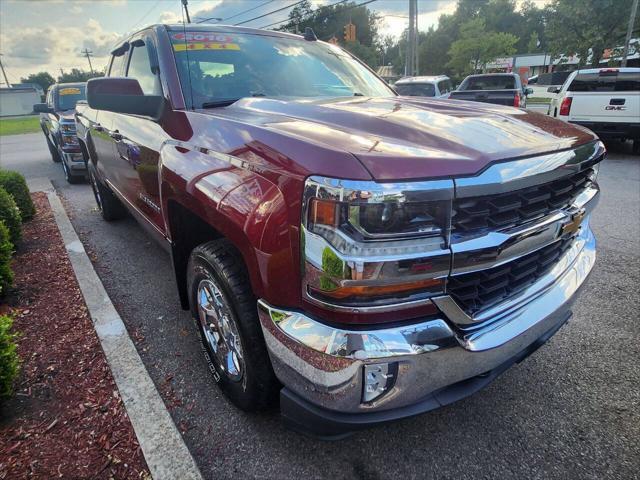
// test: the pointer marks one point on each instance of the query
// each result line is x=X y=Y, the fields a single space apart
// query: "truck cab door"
x=137 y=140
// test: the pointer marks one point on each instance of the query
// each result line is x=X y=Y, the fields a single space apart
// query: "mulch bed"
x=67 y=419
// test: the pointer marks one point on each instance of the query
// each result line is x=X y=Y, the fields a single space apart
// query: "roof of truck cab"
x=619 y=69
x=422 y=79
x=208 y=27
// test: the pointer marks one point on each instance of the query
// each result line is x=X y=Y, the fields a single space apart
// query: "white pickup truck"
x=605 y=100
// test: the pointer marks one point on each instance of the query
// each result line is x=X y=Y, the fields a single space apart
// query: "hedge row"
x=16 y=207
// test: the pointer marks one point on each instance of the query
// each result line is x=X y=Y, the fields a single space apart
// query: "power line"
x=269 y=13
x=238 y=14
x=153 y=7
x=317 y=9
x=346 y=9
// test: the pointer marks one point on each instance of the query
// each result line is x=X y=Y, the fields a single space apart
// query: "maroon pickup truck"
x=363 y=256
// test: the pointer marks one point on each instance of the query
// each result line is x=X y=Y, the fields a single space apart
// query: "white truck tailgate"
x=605 y=107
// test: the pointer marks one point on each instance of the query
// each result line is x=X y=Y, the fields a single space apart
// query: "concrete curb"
x=162 y=445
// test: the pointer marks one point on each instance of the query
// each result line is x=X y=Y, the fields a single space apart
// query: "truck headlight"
x=369 y=244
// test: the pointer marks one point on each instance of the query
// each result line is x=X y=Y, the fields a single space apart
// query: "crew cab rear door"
x=606 y=96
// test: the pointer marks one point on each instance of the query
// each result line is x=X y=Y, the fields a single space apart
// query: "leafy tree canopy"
x=78 y=75
x=44 y=79
x=477 y=46
x=583 y=26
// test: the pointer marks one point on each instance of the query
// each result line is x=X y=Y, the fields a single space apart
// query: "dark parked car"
x=366 y=256
x=498 y=88
x=59 y=128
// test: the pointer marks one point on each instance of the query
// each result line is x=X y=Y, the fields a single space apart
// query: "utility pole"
x=186 y=10
x=88 y=53
x=4 y=74
x=411 y=62
x=625 y=52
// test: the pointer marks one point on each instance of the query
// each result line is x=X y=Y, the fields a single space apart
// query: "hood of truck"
x=400 y=138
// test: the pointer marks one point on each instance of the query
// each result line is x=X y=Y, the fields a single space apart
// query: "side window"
x=117 y=64
x=140 y=69
x=444 y=86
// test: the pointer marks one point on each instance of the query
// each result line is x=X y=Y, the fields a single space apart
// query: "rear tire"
x=224 y=309
x=109 y=205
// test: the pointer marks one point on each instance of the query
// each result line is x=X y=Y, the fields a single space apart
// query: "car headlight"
x=368 y=244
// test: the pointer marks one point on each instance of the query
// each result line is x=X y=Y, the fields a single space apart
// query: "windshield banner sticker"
x=201 y=37
x=181 y=47
x=69 y=91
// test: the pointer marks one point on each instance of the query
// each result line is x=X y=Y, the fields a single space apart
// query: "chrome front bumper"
x=75 y=161
x=323 y=366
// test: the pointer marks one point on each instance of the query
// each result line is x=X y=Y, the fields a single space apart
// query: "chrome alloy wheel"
x=220 y=330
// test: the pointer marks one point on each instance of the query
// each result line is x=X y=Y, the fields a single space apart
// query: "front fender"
x=243 y=206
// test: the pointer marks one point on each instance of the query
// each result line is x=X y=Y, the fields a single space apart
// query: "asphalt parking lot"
x=572 y=410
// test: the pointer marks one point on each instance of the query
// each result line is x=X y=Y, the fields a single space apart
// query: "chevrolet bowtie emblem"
x=574 y=224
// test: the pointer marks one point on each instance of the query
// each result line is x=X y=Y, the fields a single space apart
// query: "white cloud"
x=54 y=47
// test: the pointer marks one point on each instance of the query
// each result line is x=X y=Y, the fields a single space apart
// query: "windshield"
x=215 y=67
x=416 y=89
x=490 y=82
x=68 y=96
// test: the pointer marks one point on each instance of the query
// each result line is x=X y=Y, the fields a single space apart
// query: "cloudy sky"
x=38 y=35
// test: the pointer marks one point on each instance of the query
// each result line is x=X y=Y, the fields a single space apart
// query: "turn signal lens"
x=342 y=293
x=516 y=100
x=323 y=212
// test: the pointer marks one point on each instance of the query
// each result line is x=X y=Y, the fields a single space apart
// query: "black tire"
x=218 y=263
x=69 y=177
x=636 y=147
x=55 y=155
x=109 y=205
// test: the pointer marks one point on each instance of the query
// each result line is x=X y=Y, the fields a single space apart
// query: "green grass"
x=15 y=126
x=538 y=100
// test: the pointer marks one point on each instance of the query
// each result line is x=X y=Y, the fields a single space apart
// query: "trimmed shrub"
x=16 y=185
x=10 y=215
x=9 y=361
x=6 y=250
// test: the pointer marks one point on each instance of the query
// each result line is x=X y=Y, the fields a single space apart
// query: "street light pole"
x=625 y=52
x=4 y=74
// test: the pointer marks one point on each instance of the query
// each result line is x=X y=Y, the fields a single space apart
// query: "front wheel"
x=224 y=309
x=68 y=176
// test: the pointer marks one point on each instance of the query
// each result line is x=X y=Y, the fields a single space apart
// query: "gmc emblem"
x=615 y=107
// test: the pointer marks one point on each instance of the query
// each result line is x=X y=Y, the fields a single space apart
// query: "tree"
x=477 y=46
x=77 y=75
x=584 y=27
x=44 y=79
x=329 y=21
x=367 y=54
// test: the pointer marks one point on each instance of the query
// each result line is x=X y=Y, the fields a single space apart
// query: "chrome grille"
x=517 y=207
x=479 y=290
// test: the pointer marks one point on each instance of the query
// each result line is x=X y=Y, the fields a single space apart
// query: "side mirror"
x=123 y=95
x=553 y=90
x=528 y=91
x=42 y=108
